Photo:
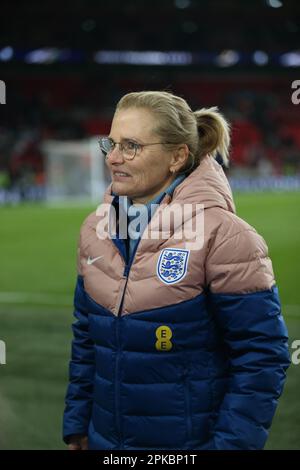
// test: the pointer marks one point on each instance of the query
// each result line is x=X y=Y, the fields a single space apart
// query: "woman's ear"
x=179 y=158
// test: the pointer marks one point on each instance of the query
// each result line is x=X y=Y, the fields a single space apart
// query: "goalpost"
x=75 y=171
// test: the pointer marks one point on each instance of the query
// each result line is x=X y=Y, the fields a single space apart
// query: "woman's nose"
x=115 y=156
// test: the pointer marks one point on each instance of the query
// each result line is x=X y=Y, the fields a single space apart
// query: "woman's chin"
x=120 y=188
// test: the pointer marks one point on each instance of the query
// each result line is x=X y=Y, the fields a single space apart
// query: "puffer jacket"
x=177 y=348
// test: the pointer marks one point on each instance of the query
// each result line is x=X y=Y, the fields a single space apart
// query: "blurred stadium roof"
x=207 y=26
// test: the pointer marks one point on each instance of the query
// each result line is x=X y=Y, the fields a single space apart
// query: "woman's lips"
x=120 y=175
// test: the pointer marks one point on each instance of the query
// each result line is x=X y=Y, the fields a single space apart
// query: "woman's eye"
x=131 y=145
x=110 y=144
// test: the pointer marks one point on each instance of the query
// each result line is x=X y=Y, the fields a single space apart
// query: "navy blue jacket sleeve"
x=255 y=337
x=81 y=371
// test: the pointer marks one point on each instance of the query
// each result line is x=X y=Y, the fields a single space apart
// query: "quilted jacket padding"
x=198 y=363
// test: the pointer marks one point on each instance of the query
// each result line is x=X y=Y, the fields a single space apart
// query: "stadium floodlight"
x=274 y=3
x=290 y=59
x=42 y=56
x=144 y=58
x=6 y=54
x=260 y=58
x=182 y=4
x=227 y=58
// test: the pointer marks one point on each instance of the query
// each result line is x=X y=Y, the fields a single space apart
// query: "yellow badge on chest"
x=163 y=334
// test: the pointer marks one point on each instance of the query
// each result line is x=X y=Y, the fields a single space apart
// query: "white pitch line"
x=35 y=298
x=291 y=310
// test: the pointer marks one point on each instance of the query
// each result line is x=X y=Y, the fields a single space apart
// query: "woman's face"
x=149 y=172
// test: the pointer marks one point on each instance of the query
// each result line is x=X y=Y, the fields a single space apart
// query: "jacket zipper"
x=117 y=366
x=187 y=403
x=118 y=319
x=117 y=385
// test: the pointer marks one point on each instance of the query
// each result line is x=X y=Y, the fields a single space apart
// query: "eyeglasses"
x=128 y=147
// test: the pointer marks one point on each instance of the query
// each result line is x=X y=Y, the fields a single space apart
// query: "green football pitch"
x=37 y=278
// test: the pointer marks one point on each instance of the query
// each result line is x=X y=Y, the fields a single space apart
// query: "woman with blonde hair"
x=177 y=345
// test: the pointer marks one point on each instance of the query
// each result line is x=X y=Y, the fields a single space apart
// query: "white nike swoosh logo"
x=92 y=260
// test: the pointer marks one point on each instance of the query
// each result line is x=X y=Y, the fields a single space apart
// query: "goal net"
x=75 y=171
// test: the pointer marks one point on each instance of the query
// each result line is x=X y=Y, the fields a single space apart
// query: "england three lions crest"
x=172 y=265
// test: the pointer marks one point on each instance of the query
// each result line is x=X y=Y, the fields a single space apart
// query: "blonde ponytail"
x=205 y=131
x=214 y=133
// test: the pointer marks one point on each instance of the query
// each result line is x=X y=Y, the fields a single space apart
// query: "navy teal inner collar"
x=157 y=199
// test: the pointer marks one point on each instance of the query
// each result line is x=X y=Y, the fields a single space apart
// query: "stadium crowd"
x=74 y=103
x=265 y=124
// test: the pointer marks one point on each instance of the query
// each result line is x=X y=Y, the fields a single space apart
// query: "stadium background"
x=65 y=65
